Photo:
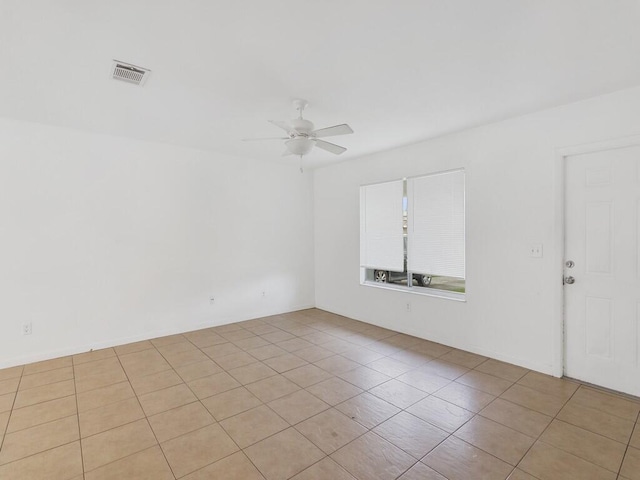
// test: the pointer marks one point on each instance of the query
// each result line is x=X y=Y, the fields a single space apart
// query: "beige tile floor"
x=307 y=395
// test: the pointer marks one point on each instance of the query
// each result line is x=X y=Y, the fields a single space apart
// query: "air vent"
x=129 y=73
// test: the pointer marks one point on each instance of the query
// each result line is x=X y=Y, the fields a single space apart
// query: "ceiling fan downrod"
x=300 y=104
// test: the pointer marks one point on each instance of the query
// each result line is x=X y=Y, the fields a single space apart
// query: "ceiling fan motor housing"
x=301 y=125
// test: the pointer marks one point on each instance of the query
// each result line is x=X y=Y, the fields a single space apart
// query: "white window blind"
x=436 y=224
x=381 y=244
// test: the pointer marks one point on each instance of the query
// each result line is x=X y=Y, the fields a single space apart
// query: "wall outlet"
x=26 y=328
x=264 y=293
x=212 y=300
x=535 y=250
x=408 y=306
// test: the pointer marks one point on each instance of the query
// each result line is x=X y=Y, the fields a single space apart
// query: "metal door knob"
x=569 y=280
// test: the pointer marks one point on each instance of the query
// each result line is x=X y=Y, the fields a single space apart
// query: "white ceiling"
x=396 y=71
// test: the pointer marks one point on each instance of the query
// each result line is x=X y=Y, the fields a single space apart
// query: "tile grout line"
x=452 y=434
x=199 y=400
x=104 y=431
x=325 y=455
x=11 y=414
x=370 y=430
x=289 y=425
x=334 y=353
x=545 y=429
x=636 y=425
x=40 y=452
x=333 y=375
x=401 y=410
x=4 y=436
x=145 y=413
x=476 y=414
x=117 y=382
x=75 y=394
x=45 y=423
x=145 y=416
x=262 y=404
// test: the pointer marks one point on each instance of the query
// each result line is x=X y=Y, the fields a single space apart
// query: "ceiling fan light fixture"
x=299 y=146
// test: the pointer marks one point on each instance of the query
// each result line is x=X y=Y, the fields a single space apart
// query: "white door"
x=602 y=306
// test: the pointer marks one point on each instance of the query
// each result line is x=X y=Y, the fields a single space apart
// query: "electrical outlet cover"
x=535 y=250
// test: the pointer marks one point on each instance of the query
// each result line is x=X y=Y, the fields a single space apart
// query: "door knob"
x=569 y=280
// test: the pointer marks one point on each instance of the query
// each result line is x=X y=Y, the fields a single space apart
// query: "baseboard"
x=12 y=362
x=538 y=367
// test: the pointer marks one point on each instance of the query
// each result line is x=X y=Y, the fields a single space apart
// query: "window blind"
x=435 y=242
x=381 y=245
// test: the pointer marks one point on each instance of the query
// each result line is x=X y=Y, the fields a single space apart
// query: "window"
x=414 y=229
x=381 y=231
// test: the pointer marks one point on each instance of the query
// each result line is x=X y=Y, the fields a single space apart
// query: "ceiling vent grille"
x=129 y=73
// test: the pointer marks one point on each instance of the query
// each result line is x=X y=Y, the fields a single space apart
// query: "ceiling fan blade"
x=342 y=129
x=330 y=147
x=265 y=138
x=286 y=126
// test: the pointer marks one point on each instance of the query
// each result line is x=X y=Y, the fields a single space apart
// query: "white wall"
x=513 y=306
x=105 y=240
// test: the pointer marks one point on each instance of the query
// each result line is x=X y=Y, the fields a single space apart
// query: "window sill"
x=429 y=292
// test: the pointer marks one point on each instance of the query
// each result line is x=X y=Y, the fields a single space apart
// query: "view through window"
x=414 y=229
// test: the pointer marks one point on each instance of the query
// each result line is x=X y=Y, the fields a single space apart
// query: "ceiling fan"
x=301 y=136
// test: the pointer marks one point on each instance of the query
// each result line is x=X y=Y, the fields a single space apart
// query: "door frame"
x=561 y=154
